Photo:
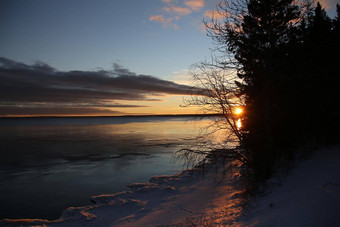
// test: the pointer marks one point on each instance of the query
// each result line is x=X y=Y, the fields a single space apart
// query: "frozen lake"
x=49 y=164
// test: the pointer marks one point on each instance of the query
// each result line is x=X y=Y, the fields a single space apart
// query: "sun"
x=238 y=110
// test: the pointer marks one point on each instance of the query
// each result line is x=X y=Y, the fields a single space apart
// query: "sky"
x=101 y=57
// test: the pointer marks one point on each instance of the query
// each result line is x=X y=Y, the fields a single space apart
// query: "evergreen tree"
x=284 y=56
x=262 y=50
x=317 y=94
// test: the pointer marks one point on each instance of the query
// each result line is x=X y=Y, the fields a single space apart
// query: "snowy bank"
x=308 y=196
x=192 y=196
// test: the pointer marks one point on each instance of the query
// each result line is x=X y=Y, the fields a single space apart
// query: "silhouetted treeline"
x=287 y=58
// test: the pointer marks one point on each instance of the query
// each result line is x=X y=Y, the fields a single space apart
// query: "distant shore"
x=117 y=116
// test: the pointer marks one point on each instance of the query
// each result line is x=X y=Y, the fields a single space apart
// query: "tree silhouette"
x=257 y=34
x=283 y=54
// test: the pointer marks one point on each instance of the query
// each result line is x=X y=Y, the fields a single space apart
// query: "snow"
x=308 y=196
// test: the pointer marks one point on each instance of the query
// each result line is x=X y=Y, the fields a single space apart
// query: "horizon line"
x=107 y=116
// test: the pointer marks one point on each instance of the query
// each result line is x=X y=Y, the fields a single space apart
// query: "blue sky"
x=133 y=39
x=91 y=34
x=88 y=34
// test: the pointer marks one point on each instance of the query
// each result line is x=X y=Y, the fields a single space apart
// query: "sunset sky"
x=101 y=57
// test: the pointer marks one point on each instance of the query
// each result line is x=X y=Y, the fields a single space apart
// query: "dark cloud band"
x=40 y=83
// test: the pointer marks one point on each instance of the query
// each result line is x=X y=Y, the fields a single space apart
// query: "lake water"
x=49 y=164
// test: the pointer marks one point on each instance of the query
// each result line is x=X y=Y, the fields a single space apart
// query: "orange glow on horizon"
x=165 y=105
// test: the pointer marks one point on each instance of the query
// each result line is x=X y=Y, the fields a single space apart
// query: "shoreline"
x=309 y=194
x=164 y=200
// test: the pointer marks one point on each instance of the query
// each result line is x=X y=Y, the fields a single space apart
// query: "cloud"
x=158 y=18
x=195 y=5
x=163 y=21
x=51 y=111
x=41 y=86
x=328 y=4
x=174 y=10
x=213 y=14
x=181 y=11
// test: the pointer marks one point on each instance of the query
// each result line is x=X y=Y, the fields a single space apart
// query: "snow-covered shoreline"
x=191 y=195
x=308 y=196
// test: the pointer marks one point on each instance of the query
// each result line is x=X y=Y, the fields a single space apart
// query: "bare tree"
x=216 y=93
x=218 y=88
